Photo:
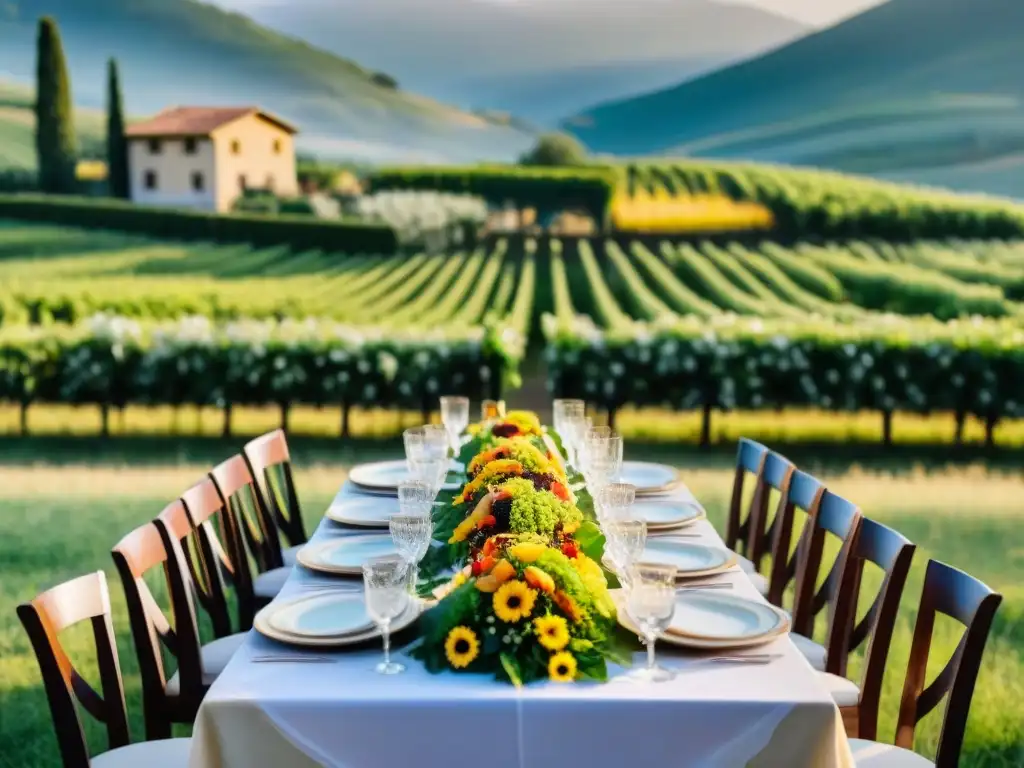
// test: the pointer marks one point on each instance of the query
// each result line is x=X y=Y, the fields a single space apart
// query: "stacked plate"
x=649 y=479
x=383 y=477
x=712 y=621
x=363 y=512
x=324 y=620
x=663 y=515
x=691 y=559
x=345 y=557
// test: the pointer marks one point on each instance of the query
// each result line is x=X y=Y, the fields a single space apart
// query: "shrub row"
x=887 y=364
x=549 y=190
x=300 y=233
x=113 y=361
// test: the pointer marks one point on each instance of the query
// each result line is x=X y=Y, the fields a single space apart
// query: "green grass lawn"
x=60 y=520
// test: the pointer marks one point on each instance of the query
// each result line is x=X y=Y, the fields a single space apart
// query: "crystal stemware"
x=615 y=501
x=411 y=534
x=625 y=540
x=385 y=582
x=455 y=417
x=560 y=408
x=415 y=496
x=652 y=603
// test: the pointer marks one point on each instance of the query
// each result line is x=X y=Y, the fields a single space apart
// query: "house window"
x=277 y=146
x=242 y=183
x=155 y=146
x=270 y=182
x=198 y=183
x=149 y=180
x=190 y=146
x=236 y=147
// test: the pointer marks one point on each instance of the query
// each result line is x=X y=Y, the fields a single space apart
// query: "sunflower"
x=552 y=632
x=514 y=601
x=562 y=667
x=461 y=647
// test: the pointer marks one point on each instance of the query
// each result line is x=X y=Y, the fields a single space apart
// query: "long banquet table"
x=344 y=715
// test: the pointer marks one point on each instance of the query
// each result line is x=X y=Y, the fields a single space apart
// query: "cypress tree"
x=55 y=130
x=117 y=146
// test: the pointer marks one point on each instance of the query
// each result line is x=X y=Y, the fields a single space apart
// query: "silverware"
x=754 y=658
x=715 y=585
x=292 y=659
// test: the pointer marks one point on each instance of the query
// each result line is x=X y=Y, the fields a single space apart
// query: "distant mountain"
x=927 y=90
x=538 y=59
x=185 y=52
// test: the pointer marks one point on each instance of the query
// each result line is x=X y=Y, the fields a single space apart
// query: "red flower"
x=487 y=522
x=570 y=550
x=560 y=490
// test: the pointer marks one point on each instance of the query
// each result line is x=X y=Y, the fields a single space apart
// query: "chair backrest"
x=223 y=550
x=265 y=455
x=134 y=556
x=44 y=619
x=803 y=492
x=242 y=499
x=775 y=475
x=961 y=597
x=840 y=518
x=750 y=456
x=893 y=553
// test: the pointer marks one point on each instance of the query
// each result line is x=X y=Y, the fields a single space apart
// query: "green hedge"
x=549 y=190
x=112 y=361
x=889 y=364
x=300 y=233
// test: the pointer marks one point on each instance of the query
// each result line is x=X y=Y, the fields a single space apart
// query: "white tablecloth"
x=344 y=715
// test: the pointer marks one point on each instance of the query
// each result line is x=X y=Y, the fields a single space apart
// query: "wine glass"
x=615 y=446
x=559 y=409
x=411 y=534
x=576 y=426
x=652 y=603
x=455 y=417
x=414 y=439
x=385 y=582
x=615 y=501
x=415 y=497
x=625 y=540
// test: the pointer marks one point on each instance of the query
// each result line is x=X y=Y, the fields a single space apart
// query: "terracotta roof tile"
x=197 y=121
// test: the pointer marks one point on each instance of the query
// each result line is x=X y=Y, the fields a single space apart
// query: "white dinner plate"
x=724 y=618
x=364 y=512
x=649 y=478
x=662 y=515
x=691 y=558
x=384 y=476
x=345 y=556
x=262 y=625
x=324 y=615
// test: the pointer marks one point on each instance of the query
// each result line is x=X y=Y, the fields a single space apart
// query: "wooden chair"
x=840 y=518
x=893 y=553
x=44 y=619
x=750 y=536
x=265 y=455
x=222 y=546
x=241 y=499
x=970 y=602
x=803 y=492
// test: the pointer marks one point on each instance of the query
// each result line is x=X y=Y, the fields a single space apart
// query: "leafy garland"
x=529 y=598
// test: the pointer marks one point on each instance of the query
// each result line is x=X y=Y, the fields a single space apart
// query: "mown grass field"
x=58 y=520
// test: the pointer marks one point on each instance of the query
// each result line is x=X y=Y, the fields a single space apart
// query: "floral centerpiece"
x=529 y=599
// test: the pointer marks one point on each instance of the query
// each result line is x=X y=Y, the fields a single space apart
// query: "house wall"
x=174 y=168
x=255 y=159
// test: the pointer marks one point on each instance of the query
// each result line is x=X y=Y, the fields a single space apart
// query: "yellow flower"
x=562 y=667
x=458 y=580
x=514 y=601
x=552 y=632
x=461 y=647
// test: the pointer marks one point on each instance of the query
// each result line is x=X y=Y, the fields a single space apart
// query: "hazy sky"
x=817 y=12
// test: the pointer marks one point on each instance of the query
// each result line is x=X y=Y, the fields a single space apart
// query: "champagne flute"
x=560 y=409
x=411 y=534
x=386 y=589
x=577 y=425
x=652 y=603
x=615 y=447
x=455 y=417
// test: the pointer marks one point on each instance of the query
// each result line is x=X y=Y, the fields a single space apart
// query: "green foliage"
x=55 y=130
x=117 y=144
x=556 y=150
x=299 y=233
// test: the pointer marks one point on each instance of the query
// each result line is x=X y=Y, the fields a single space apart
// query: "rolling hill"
x=917 y=90
x=186 y=52
x=538 y=59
